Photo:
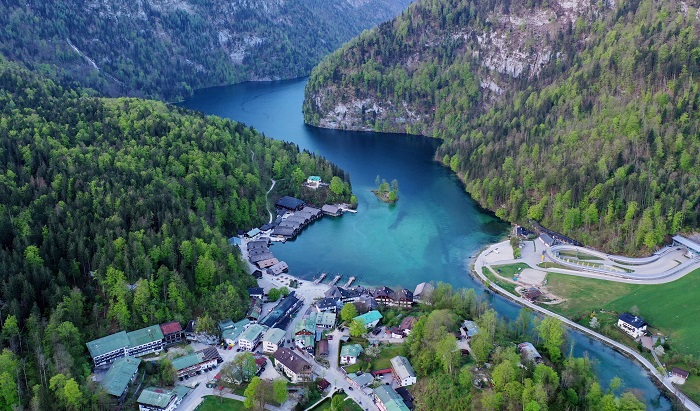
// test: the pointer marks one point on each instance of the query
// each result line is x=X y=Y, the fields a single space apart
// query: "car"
x=350 y=388
x=330 y=338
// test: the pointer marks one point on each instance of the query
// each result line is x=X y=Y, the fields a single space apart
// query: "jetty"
x=335 y=280
x=345 y=208
x=350 y=280
x=319 y=279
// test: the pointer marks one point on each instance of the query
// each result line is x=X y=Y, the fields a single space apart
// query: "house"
x=384 y=295
x=692 y=247
x=257 y=257
x=531 y=294
x=160 y=399
x=327 y=304
x=290 y=203
x=172 y=333
x=388 y=400
x=469 y=329
x=423 y=292
x=255 y=309
x=267 y=263
x=344 y=295
x=323 y=384
x=395 y=332
x=231 y=332
x=404 y=298
x=190 y=331
x=349 y=353
x=280 y=316
x=109 y=348
x=322 y=348
x=272 y=340
x=122 y=373
x=283 y=233
x=250 y=337
x=522 y=232
x=292 y=365
x=313 y=181
x=369 y=319
x=192 y=364
x=225 y=324
x=234 y=241
x=279 y=268
x=403 y=371
x=679 y=376
x=546 y=239
x=529 y=353
x=366 y=303
x=360 y=380
x=632 y=325
x=256 y=292
x=312 y=212
x=406 y=397
x=263 y=244
x=305 y=332
x=252 y=233
x=407 y=324
x=331 y=210
x=324 y=320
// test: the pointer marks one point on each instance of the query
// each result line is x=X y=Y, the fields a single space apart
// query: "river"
x=430 y=234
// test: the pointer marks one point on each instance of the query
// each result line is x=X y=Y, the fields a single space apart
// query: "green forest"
x=115 y=215
x=449 y=381
x=602 y=145
x=167 y=50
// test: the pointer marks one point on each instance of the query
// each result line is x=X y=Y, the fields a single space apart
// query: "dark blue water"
x=428 y=235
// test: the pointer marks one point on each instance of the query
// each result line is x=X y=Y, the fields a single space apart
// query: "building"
x=369 y=319
x=263 y=264
x=529 y=353
x=365 y=303
x=252 y=233
x=283 y=233
x=395 y=332
x=323 y=384
x=522 y=232
x=634 y=326
x=255 y=309
x=305 y=332
x=388 y=400
x=292 y=365
x=312 y=212
x=546 y=239
x=469 y=329
x=272 y=340
x=122 y=373
x=679 y=375
x=313 y=181
x=404 y=298
x=196 y=363
x=231 y=332
x=256 y=292
x=324 y=320
x=331 y=210
x=190 y=331
x=423 y=292
x=532 y=294
x=148 y=340
x=384 y=295
x=172 y=333
x=692 y=247
x=406 y=397
x=109 y=348
x=250 y=337
x=280 y=316
x=159 y=399
x=278 y=268
x=403 y=371
x=349 y=353
x=360 y=380
x=259 y=256
x=407 y=324
x=327 y=304
x=322 y=349
x=290 y=203
x=344 y=295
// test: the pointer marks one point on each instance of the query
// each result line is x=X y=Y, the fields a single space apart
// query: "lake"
x=430 y=234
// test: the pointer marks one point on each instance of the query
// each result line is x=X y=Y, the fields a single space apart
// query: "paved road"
x=479 y=265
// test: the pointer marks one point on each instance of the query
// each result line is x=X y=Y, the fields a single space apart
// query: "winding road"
x=479 y=264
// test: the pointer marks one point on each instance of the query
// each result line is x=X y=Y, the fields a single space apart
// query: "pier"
x=319 y=279
x=335 y=280
x=350 y=280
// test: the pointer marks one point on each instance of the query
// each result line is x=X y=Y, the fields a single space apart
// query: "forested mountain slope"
x=166 y=48
x=583 y=116
x=115 y=215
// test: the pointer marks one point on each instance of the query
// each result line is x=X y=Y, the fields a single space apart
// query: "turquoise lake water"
x=428 y=235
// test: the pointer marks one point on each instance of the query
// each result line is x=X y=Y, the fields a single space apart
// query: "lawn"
x=350 y=405
x=213 y=403
x=671 y=307
x=508 y=286
x=382 y=361
x=691 y=388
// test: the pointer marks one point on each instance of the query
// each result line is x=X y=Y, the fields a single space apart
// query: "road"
x=478 y=269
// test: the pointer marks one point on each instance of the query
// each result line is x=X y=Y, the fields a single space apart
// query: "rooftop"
x=273 y=335
x=633 y=320
x=171 y=327
x=530 y=352
x=291 y=360
x=402 y=367
x=369 y=317
x=108 y=343
x=688 y=243
x=352 y=350
x=361 y=380
x=156 y=397
x=391 y=399
x=120 y=373
x=290 y=203
x=180 y=363
x=252 y=333
x=145 y=335
x=324 y=319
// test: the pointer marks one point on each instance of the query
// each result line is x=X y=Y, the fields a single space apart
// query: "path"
x=478 y=269
x=267 y=203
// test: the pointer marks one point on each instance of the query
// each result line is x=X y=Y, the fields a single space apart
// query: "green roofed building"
x=159 y=399
x=203 y=360
x=251 y=337
x=389 y=400
x=349 y=353
x=107 y=349
x=272 y=339
x=122 y=373
x=145 y=341
x=369 y=319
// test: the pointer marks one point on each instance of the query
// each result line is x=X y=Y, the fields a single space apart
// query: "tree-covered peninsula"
x=114 y=215
x=583 y=116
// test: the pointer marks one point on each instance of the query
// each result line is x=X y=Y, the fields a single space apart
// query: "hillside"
x=582 y=116
x=167 y=48
x=115 y=215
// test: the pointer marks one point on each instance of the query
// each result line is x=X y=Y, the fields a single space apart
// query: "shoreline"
x=663 y=383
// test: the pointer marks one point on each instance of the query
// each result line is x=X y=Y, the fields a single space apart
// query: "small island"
x=385 y=192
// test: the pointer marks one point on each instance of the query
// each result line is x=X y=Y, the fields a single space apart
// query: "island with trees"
x=385 y=192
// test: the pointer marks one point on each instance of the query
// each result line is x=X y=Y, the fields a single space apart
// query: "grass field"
x=212 y=403
x=672 y=307
x=580 y=256
x=350 y=405
x=381 y=362
x=691 y=388
x=508 y=286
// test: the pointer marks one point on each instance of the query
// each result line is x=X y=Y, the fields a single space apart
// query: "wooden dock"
x=335 y=280
x=350 y=280
x=319 y=279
